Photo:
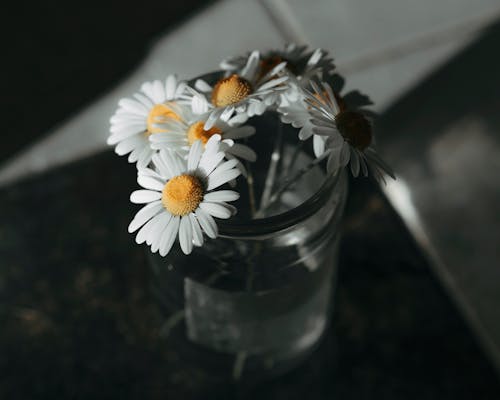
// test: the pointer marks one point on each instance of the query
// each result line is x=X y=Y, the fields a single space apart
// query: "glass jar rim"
x=285 y=220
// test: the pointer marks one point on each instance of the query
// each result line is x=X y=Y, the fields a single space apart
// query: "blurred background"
x=416 y=312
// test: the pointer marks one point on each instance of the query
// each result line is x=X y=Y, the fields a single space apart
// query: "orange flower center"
x=355 y=128
x=230 y=90
x=182 y=194
x=196 y=132
x=160 y=113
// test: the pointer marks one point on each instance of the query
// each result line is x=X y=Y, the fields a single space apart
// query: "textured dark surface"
x=78 y=319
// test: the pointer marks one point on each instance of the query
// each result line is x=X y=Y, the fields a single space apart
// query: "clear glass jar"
x=255 y=302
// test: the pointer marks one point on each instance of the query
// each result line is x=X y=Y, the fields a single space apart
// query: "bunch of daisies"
x=188 y=140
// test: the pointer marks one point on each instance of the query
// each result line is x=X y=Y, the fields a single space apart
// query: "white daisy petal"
x=218 y=178
x=123 y=129
x=333 y=163
x=144 y=196
x=212 y=146
x=161 y=166
x=344 y=154
x=180 y=163
x=202 y=86
x=186 y=235
x=251 y=67
x=194 y=156
x=238 y=119
x=227 y=113
x=144 y=100
x=144 y=157
x=273 y=83
x=147 y=88
x=127 y=145
x=243 y=151
x=197 y=233
x=125 y=132
x=134 y=155
x=125 y=118
x=154 y=234
x=199 y=104
x=144 y=231
x=153 y=174
x=208 y=164
x=324 y=130
x=335 y=141
x=215 y=209
x=207 y=223
x=315 y=57
x=212 y=118
x=232 y=209
x=240 y=132
x=170 y=160
x=170 y=137
x=222 y=195
x=181 y=87
x=133 y=106
x=158 y=92
x=306 y=132
x=227 y=165
x=318 y=145
x=150 y=183
x=276 y=70
x=170 y=86
x=330 y=96
x=169 y=235
x=322 y=122
x=144 y=215
x=178 y=147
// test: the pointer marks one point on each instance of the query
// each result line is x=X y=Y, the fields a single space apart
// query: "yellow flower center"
x=182 y=194
x=196 y=132
x=160 y=113
x=355 y=128
x=230 y=90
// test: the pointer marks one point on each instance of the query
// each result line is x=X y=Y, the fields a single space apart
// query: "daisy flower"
x=179 y=197
x=302 y=64
x=297 y=113
x=245 y=92
x=347 y=134
x=136 y=118
x=178 y=134
x=300 y=61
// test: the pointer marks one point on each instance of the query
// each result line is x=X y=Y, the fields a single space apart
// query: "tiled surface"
x=358 y=29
